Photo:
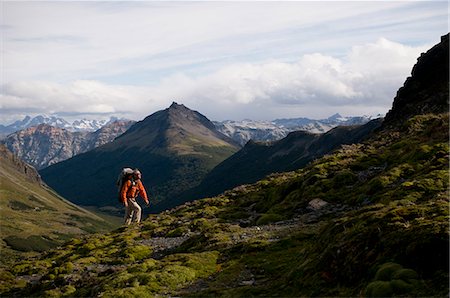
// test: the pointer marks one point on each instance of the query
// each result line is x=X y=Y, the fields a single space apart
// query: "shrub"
x=379 y=289
x=386 y=271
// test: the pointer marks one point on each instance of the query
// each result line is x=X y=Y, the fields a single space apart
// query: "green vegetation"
x=33 y=217
x=384 y=232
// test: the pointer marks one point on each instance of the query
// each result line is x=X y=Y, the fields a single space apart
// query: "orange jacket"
x=130 y=190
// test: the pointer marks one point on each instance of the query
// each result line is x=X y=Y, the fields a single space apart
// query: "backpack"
x=124 y=176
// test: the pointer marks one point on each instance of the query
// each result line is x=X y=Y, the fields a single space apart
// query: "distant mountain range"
x=240 y=131
x=75 y=126
x=245 y=130
x=46 y=140
x=44 y=144
x=174 y=148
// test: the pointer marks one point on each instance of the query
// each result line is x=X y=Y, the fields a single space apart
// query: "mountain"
x=29 y=122
x=426 y=91
x=44 y=145
x=263 y=131
x=370 y=219
x=52 y=120
x=174 y=149
x=34 y=217
x=256 y=160
x=243 y=131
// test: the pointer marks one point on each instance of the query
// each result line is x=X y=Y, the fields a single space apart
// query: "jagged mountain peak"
x=427 y=90
x=336 y=116
x=176 y=105
x=176 y=126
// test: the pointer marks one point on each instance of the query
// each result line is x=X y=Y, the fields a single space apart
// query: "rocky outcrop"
x=44 y=145
x=29 y=171
x=427 y=90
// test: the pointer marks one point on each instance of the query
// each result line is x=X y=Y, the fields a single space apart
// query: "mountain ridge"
x=171 y=156
x=44 y=145
x=245 y=130
x=370 y=219
x=258 y=159
x=81 y=125
x=34 y=217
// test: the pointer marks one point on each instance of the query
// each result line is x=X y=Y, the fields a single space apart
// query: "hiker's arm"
x=123 y=193
x=142 y=191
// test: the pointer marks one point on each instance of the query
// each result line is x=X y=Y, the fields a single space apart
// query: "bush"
x=379 y=289
x=392 y=279
x=386 y=271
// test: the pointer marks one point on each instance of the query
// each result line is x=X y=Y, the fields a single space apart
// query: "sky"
x=229 y=60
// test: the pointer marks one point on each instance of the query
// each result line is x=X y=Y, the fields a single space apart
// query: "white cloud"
x=66 y=41
x=368 y=77
x=225 y=59
x=77 y=98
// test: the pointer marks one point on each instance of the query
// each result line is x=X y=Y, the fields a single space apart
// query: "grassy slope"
x=33 y=217
x=386 y=233
x=257 y=160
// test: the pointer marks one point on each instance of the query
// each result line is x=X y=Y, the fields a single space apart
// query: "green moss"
x=379 y=289
x=400 y=286
x=68 y=291
x=135 y=253
x=177 y=232
x=6 y=281
x=131 y=292
x=31 y=243
x=344 y=178
x=269 y=218
x=405 y=274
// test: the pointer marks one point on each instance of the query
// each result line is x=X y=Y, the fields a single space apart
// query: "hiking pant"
x=132 y=211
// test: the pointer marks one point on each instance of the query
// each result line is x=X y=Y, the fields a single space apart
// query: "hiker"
x=128 y=194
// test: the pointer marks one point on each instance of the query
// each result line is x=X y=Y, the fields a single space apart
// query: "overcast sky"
x=227 y=60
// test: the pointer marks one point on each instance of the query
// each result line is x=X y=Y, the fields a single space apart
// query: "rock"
x=44 y=145
x=427 y=90
x=247 y=282
x=317 y=204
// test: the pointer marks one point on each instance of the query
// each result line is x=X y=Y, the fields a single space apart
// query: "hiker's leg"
x=136 y=210
x=128 y=213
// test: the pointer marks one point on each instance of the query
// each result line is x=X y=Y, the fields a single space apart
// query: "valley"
x=367 y=218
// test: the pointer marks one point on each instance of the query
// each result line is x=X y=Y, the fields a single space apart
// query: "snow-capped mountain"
x=52 y=120
x=44 y=144
x=245 y=130
x=88 y=125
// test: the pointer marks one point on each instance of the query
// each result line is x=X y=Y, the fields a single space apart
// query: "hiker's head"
x=137 y=174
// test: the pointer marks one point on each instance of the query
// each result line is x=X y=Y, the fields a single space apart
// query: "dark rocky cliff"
x=427 y=90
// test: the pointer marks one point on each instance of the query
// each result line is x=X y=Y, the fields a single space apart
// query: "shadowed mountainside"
x=370 y=220
x=256 y=160
x=174 y=148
